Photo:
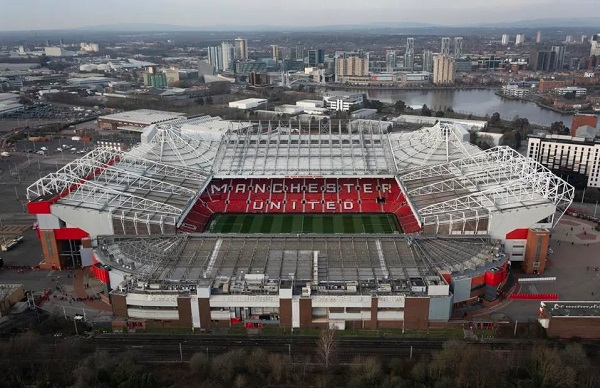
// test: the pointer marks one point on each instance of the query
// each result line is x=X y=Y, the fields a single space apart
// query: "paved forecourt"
x=303 y=223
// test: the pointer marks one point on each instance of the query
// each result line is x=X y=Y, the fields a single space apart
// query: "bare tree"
x=326 y=347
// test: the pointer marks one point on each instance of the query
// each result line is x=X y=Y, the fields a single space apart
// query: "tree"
x=557 y=127
x=374 y=104
x=439 y=113
x=570 y=96
x=326 y=347
x=495 y=119
x=485 y=142
x=548 y=370
x=425 y=111
x=399 y=106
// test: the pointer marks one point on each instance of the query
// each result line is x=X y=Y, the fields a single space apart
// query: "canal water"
x=472 y=101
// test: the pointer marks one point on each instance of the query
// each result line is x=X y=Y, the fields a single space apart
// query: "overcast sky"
x=64 y=14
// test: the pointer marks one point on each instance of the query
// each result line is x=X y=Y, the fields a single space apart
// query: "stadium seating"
x=301 y=195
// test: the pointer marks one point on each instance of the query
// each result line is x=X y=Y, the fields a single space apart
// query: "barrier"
x=537 y=280
x=533 y=296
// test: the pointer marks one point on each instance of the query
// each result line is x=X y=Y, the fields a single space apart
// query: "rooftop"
x=369 y=262
x=143 y=116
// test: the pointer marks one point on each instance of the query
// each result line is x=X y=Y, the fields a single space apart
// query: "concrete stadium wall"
x=92 y=221
x=440 y=308
x=507 y=221
x=461 y=288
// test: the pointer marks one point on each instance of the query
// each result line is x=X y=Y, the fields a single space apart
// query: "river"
x=479 y=102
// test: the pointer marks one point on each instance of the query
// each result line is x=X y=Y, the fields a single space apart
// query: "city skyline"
x=42 y=15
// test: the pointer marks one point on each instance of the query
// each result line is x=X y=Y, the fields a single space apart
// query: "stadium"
x=209 y=223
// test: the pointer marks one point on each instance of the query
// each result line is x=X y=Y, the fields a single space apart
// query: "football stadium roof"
x=443 y=177
x=367 y=260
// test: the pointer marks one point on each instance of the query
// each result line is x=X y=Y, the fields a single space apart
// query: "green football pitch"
x=303 y=223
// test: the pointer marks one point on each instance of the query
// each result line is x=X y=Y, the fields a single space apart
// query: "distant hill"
x=546 y=23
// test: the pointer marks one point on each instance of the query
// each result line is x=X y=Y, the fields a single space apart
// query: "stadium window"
x=226 y=202
x=267 y=201
x=250 y=188
x=359 y=201
x=247 y=202
x=322 y=202
x=304 y=201
x=378 y=188
x=303 y=188
x=230 y=188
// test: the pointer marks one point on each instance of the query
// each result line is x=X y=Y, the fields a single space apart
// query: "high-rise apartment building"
x=458 y=47
x=519 y=39
x=228 y=52
x=275 y=52
x=428 y=61
x=390 y=60
x=352 y=66
x=241 y=49
x=409 y=55
x=445 y=46
x=595 y=50
x=505 y=39
x=538 y=37
x=215 y=57
x=559 y=57
x=443 y=69
x=569 y=39
x=297 y=53
x=316 y=57
x=583 y=38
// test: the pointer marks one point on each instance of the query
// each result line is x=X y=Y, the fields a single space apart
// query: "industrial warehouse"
x=144 y=220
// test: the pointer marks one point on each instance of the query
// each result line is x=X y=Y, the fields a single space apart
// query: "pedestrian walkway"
x=575 y=231
x=82 y=292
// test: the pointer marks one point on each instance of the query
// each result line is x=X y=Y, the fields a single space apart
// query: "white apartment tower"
x=595 y=50
x=390 y=60
x=215 y=57
x=520 y=39
x=428 y=61
x=458 y=47
x=538 y=37
x=409 y=56
x=445 y=46
x=505 y=39
x=241 y=49
x=228 y=51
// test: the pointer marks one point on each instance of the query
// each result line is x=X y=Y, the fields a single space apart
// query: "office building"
x=569 y=39
x=458 y=47
x=241 y=49
x=443 y=70
x=519 y=39
x=352 y=66
x=343 y=101
x=409 y=55
x=445 y=46
x=228 y=52
x=595 y=50
x=155 y=79
x=578 y=92
x=559 y=57
x=573 y=158
x=538 y=37
x=543 y=60
x=316 y=57
x=215 y=57
x=428 y=61
x=276 y=52
x=390 y=60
